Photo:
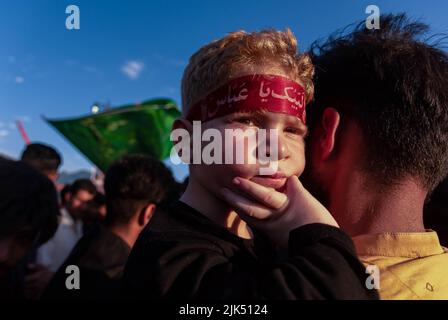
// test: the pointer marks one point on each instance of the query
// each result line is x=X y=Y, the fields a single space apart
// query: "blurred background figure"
x=94 y=212
x=52 y=254
x=28 y=217
x=44 y=158
x=135 y=186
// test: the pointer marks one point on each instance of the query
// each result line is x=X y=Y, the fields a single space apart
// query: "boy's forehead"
x=268 y=115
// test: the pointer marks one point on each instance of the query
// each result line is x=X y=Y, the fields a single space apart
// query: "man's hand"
x=275 y=213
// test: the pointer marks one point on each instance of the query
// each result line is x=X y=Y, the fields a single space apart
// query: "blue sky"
x=129 y=51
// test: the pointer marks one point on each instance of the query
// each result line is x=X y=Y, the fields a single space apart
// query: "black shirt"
x=101 y=256
x=184 y=255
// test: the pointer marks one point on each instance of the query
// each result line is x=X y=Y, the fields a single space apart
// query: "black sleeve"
x=322 y=264
x=94 y=285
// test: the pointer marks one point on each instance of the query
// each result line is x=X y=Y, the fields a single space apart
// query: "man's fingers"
x=267 y=196
x=244 y=206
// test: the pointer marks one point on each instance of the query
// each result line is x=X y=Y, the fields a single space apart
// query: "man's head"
x=44 y=158
x=240 y=60
x=28 y=211
x=94 y=210
x=134 y=186
x=80 y=193
x=380 y=109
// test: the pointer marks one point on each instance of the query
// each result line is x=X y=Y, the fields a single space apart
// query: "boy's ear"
x=146 y=214
x=329 y=125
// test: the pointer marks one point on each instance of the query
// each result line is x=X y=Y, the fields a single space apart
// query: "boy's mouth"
x=276 y=181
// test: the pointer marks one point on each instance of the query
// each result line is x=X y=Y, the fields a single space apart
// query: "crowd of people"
x=354 y=187
x=43 y=231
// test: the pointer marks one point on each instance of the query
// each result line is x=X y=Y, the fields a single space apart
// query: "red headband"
x=251 y=93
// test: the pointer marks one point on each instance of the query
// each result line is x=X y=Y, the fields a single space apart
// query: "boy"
x=202 y=248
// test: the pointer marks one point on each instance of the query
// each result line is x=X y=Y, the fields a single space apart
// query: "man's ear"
x=52 y=175
x=183 y=127
x=145 y=214
x=182 y=123
x=329 y=125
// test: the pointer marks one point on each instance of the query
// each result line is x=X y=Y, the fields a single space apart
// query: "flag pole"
x=22 y=132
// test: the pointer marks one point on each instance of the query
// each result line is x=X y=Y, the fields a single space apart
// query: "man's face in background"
x=78 y=201
x=52 y=175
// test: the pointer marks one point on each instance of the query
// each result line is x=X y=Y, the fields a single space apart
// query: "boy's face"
x=290 y=150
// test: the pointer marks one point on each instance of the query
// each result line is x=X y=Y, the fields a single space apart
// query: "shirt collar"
x=400 y=244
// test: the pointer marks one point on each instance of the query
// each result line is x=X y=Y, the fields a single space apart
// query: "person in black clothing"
x=134 y=187
x=237 y=233
x=28 y=217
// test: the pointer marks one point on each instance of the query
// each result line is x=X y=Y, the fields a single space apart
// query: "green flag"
x=105 y=137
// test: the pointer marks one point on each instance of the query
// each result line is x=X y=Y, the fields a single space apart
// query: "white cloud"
x=4 y=133
x=19 y=79
x=132 y=69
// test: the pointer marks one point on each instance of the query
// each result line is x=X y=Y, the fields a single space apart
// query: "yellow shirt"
x=412 y=265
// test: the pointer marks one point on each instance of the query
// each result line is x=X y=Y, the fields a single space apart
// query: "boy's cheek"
x=295 y=164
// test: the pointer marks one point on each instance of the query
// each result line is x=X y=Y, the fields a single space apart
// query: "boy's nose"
x=276 y=144
x=282 y=149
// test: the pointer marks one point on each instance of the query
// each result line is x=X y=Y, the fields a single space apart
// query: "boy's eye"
x=293 y=130
x=245 y=120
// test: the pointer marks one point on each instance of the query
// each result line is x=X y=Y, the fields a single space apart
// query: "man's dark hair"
x=395 y=86
x=28 y=203
x=134 y=182
x=43 y=157
x=83 y=184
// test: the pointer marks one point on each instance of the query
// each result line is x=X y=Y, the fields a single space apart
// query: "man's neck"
x=127 y=233
x=215 y=209
x=362 y=207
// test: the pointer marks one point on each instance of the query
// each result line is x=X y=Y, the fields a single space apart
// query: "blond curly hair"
x=219 y=61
